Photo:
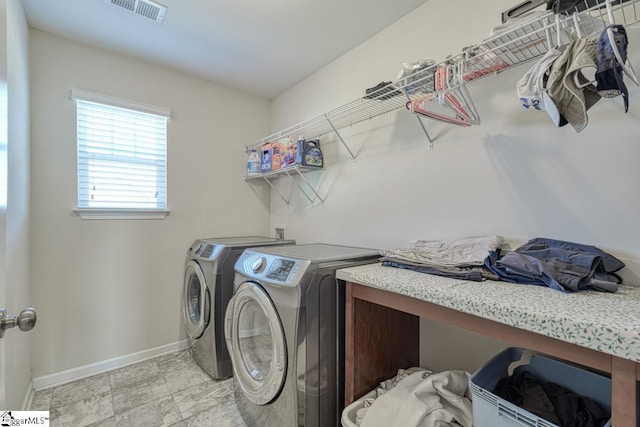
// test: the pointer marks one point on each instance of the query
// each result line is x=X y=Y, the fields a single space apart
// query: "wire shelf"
x=527 y=40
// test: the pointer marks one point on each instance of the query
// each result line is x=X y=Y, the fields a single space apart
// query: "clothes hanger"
x=624 y=63
x=576 y=25
x=547 y=32
x=458 y=93
x=627 y=68
x=447 y=97
x=454 y=95
x=419 y=106
x=451 y=94
x=461 y=90
x=463 y=94
x=576 y=77
x=583 y=83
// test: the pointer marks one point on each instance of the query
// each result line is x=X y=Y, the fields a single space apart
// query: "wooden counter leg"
x=378 y=341
x=623 y=393
x=349 y=372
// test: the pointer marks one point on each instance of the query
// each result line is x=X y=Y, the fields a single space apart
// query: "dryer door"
x=256 y=342
x=196 y=300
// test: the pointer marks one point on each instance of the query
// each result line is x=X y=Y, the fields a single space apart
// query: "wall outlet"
x=280 y=231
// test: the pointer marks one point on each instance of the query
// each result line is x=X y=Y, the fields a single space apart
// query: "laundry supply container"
x=266 y=151
x=489 y=410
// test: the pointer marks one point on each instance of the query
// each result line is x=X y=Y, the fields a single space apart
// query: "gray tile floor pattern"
x=170 y=390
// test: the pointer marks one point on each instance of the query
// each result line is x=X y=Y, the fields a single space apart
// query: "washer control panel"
x=280 y=269
x=259 y=265
x=271 y=268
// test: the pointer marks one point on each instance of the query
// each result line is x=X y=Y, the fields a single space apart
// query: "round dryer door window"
x=196 y=304
x=257 y=344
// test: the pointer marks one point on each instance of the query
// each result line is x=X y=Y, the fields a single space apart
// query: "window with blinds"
x=122 y=154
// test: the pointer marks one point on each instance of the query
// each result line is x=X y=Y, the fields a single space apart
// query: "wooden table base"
x=382 y=335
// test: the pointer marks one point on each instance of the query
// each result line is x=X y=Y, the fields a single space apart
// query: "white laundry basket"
x=349 y=414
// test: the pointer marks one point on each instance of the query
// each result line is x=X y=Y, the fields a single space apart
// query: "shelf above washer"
x=292 y=172
x=284 y=171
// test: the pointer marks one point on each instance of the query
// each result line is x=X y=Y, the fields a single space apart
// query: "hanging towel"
x=570 y=90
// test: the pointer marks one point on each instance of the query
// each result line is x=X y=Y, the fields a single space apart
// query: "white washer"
x=208 y=286
x=284 y=328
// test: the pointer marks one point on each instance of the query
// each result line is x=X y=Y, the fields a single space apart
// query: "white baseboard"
x=74 y=374
x=28 y=398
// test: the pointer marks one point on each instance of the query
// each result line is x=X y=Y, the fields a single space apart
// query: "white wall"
x=515 y=175
x=4 y=123
x=17 y=263
x=105 y=289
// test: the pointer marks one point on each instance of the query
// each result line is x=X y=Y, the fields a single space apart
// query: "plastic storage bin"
x=490 y=410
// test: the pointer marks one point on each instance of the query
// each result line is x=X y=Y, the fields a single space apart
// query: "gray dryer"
x=208 y=286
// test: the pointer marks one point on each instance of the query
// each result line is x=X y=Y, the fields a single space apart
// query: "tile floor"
x=169 y=390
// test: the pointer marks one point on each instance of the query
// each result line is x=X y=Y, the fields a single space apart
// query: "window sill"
x=85 y=213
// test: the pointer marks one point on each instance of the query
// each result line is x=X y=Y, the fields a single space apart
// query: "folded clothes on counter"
x=447 y=253
x=561 y=265
x=475 y=274
x=456 y=259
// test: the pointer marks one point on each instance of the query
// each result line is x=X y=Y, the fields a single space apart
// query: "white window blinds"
x=121 y=154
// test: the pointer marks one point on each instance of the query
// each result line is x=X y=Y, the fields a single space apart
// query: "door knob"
x=26 y=320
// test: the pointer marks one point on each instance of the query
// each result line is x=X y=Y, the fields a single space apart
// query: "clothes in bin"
x=414 y=398
x=491 y=410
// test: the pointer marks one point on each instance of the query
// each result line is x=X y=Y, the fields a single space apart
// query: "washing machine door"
x=256 y=342
x=196 y=300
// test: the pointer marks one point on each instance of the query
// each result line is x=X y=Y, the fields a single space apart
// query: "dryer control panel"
x=204 y=250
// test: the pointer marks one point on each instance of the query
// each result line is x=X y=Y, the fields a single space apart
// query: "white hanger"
x=626 y=66
x=451 y=93
x=576 y=25
x=547 y=32
x=455 y=96
x=459 y=82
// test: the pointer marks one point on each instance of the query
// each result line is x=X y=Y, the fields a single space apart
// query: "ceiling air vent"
x=146 y=8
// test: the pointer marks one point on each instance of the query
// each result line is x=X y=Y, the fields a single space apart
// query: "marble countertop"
x=606 y=322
